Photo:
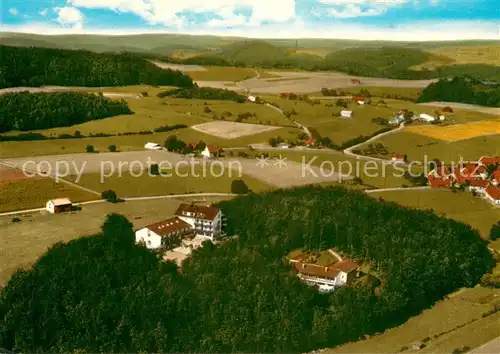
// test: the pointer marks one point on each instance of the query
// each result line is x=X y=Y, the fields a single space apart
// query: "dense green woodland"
x=462 y=89
x=42 y=66
x=104 y=294
x=29 y=111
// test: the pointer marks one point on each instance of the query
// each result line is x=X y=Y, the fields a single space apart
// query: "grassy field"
x=222 y=73
x=195 y=180
x=454 y=322
x=479 y=54
x=461 y=206
x=373 y=175
x=417 y=146
x=407 y=92
x=35 y=192
x=25 y=241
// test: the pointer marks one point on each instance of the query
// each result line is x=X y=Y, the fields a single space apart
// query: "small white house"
x=426 y=118
x=442 y=118
x=252 y=98
x=361 y=103
x=56 y=206
x=346 y=114
x=155 y=235
x=283 y=146
x=210 y=151
x=153 y=146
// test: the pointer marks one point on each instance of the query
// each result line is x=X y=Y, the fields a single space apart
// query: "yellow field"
x=489 y=54
x=457 y=132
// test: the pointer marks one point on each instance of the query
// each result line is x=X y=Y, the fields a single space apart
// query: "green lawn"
x=34 y=193
x=222 y=73
x=417 y=146
x=187 y=181
x=461 y=206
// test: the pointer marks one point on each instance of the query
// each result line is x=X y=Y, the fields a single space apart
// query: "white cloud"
x=352 y=11
x=169 y=12
x=69 y=16
x=13 y=11
x=44 y=12
x=356 y=8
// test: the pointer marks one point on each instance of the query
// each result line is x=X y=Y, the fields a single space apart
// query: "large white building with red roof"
x=156 y=235
x=206 y=221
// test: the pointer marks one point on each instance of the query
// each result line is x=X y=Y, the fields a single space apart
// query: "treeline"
x=462 y=89
x=103 y=294
x=78 y=135
x=203 y=93
x=30 y=111
x=42 y=66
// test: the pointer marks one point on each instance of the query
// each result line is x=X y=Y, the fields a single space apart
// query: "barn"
x=61 y=205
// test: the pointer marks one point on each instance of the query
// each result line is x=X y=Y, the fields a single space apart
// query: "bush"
x=109 y=196
x=495 y=232
x=78 y=134
x=154 y=169
x=239 y=186
x=204 y=93
x=167 y=128
x=112 y=148
x=207 y=109
x=16 y=219
x=90 y=148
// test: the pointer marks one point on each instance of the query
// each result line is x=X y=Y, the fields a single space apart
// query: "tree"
x=200 y=146
x=90 y=148
x=273 y=142
x=341 y=103
x=239 y=186
x=154 y=170
x=109 y=196
x=77 y=134
x=495 y=232
x=207 y=109
x=171 y=143
x=112 y=148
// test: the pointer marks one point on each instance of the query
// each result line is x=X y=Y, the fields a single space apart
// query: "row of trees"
x=42 y=66
x=29 y=111
x=462 y=89
x=103 y=294
x=203 y=93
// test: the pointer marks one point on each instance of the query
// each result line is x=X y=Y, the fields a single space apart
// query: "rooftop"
x=167 y=227
x=197 y=211
x=493 y=192
x=61 y=201
x=329 y=271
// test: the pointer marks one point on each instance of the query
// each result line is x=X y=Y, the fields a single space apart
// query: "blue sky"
x=365 y=19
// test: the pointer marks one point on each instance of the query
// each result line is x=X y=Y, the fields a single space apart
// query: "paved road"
x=492 y=347
x=397 y=189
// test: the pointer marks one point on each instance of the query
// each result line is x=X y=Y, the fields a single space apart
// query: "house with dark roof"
x=329 y=277
x=206 y=221
x=156 y=235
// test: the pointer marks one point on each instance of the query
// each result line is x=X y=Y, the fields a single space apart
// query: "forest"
x=29 y=111
x=203 y=93
x=42 y=66
x=464 y=90
x=104 y=294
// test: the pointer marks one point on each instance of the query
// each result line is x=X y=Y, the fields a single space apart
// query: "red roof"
x=169 y=226
x=468 y=172
x=329 y=271
x=398 y=156
x=439 y=182
x=310 y=141
x=493 y=192
x=358 y=98
x=439 y=172
x=197 y=211
x=213 y=148
x=479 y=183
x=496 y=175
x=485 y=160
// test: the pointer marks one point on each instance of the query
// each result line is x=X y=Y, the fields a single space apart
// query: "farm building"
x=346 y=114
x=492 y=194
x=398 y=157
x=426 y=118
x=153 y=146
x=206 y=221
x=56 y=206
x=439 y=178
x=155 y=235
x=485 y=160
x=252 y=98
x=310 y=142
x=283 y=146
x=211 y=151
x=397 y=120
x=327 y=278
x=495 y=177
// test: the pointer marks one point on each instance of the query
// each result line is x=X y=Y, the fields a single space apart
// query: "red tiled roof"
x=197 y=211
x=468 y=172
x=440 y=183
x=398 y=156
x=479 y=183
x=329 y=271
x=359 y=98
x=493 y=192
x=440 y=172
x=310 y=141
x=496 y=175
x=213 y=148
x=486 y=160
x=169 y=226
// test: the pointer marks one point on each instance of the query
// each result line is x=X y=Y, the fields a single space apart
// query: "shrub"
x=112 y=148
x=167 y=128
x=109 y=196
x=154 y=169
x=90 y=148
x=78 y=134
x=495 y=232
x=207 y=109
x=16 y=219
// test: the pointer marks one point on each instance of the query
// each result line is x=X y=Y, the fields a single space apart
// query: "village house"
x=468 y=173
x=206 y=221
x=56 y=206
x=492 y=194
x=398 y=157
x=359 y=100
x=153 y=146
x=486 y=160
x=478 y=185
x=397 y=119
x=211 y=151
x=156 y=235
x=327 y=278
x=426 y=118
x=495 y=177
x=439 y=178
x=310 y=142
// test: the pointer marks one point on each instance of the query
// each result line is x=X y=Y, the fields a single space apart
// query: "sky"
x=420 y=20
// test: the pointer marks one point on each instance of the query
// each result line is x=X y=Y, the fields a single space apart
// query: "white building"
x=155 y=235
x=210 y=151
x=426 y=118
x=206 y=221
x=346 y=114
x=283 y=146
x=252 y=98
x=153 y=146
x=56 y=206
x=327 y=278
